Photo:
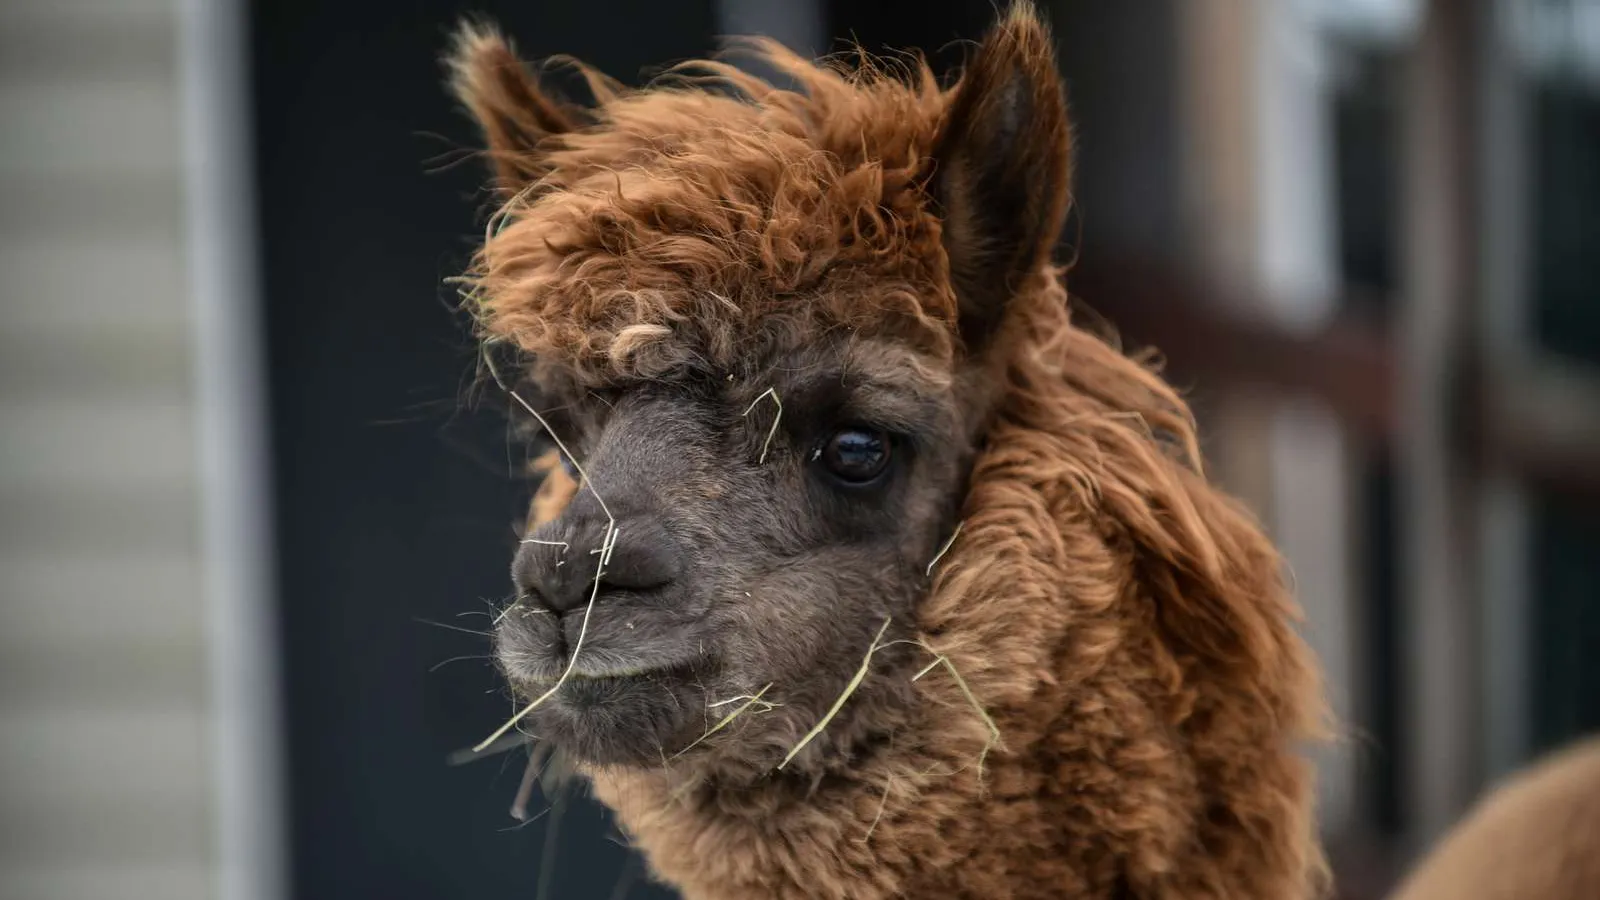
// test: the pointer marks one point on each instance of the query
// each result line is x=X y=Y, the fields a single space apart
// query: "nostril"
x=556 y=596
x=633 y=579
x=641 y=561
x=538 y=573
x=558 y=575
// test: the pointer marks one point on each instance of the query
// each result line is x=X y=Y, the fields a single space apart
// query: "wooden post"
x=1437 y=516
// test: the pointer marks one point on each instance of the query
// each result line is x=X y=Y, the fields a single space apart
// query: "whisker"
x=448 y=627
x=442 y=663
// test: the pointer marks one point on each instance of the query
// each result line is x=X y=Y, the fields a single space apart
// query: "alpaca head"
x=765 y=325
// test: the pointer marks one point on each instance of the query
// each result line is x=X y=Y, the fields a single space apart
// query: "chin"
x=635 y=720
x=635 y=692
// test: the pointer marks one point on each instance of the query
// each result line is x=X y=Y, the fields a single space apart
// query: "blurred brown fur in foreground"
x=555 y=490
x=1535 y=837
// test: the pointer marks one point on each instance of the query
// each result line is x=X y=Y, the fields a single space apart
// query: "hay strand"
x=766 y=705
x=776 y=418
x=966 y=691
x=505 y=744
x=944 y=549
x=855 y=682
x=552 y=831
x=562 y=544
x=725 y=720
x=530 y=777
x=882 y=802
x=607 y=544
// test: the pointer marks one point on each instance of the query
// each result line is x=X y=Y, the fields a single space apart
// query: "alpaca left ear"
x=515 y=113
x=1003 y=168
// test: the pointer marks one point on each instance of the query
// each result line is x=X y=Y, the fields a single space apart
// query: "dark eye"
x=855 y=455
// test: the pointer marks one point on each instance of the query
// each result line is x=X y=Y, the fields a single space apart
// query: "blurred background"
x=247 y=523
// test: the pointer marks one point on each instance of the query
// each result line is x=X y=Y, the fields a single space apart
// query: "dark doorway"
x=393 y=507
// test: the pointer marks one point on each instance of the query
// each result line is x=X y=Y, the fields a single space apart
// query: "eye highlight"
x=856 y=455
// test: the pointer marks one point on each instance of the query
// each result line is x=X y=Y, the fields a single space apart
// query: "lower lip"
x=618 y=675
x=588 y=692
x=615 y=675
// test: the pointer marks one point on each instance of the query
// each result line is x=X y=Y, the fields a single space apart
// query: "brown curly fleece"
x=1124 y=623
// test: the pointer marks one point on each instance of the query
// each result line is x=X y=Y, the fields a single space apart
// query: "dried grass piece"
x=855 y=682
x=945 y=549
x=966 y=691
x=507 y=743
x=766 y=705
x=562 y=544
x=882 y=802
x=530 y=777
x=552 y=831
x=778 y=417
x=723 y=723
x=606 y=545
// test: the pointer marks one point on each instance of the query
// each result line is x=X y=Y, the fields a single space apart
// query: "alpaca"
x=1535 y=835
x=875 y=575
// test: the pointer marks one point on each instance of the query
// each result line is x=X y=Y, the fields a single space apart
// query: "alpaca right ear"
x=1004 y=164
x=515 y=113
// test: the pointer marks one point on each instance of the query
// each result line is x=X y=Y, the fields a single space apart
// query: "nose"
x=563 y=563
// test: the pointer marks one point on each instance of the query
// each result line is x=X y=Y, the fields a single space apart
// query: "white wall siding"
x=105 y=748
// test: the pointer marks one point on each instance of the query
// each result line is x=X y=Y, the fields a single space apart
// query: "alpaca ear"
x=1003 y=168
x=515 y=113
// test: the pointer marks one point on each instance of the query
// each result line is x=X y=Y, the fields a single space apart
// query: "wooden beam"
x=1540 y=423
x=1349 y=365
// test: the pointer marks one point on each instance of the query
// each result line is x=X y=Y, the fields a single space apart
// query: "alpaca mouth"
x=612 y=682
x=607 y=669
x=539 y=649
x=594 y=685
x=621 y=719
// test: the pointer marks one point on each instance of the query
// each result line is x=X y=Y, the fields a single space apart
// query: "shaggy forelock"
x=713 y=210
